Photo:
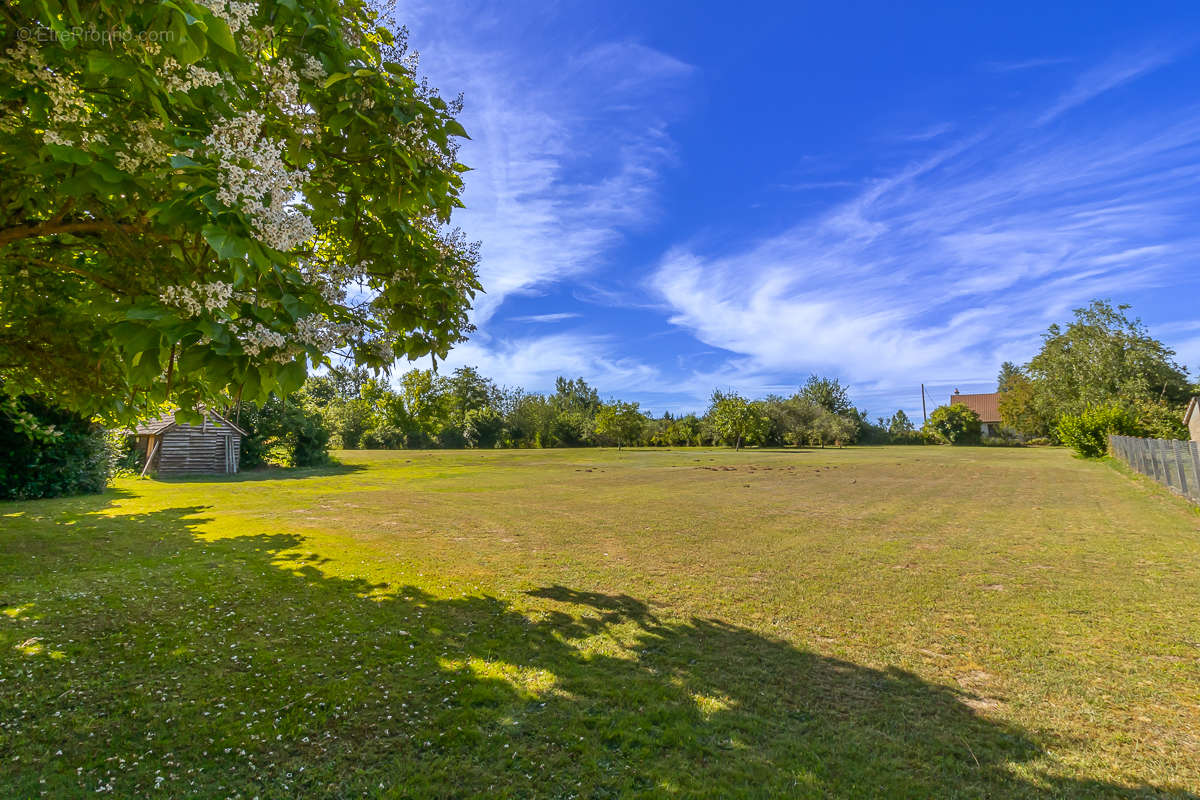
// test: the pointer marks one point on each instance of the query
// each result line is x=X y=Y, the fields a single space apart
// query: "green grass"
x=892 y=622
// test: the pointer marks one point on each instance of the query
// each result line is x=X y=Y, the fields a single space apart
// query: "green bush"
x=954 y=424
x=1001 y=441
x=1160 y=421
x=1087 y=433
x=1038 y=441
x=124 y=460
x=69 y=456
x=283 y=434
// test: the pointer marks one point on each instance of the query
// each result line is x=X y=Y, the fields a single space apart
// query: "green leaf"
x=224 y=243
x=152 y=312
x=291 y=376
x=218 y=32
x=292 y=306
x=71 y=155
x=335 y=78
x=107 y=64
x=252 y=385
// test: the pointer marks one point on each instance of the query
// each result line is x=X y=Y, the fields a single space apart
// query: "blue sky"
x=677 y=197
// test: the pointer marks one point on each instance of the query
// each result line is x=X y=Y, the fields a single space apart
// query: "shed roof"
x=163 y=423
x=987 y=406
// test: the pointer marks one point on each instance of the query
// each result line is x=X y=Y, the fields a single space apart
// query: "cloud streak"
x=1104 y=78
x=955 y=263
x=566 y=149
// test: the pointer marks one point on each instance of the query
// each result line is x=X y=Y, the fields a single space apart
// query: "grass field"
x=899 y=622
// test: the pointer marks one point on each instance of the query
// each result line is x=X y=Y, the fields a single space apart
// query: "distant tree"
x=900 y=427
x=466 y=391
x=284 y=432
x=1103 y=357
x=954 y=424
x=484 y=427
x=735 y=419
x=620 y=421
x=684 y=431
x=422 y=410
x=1019 y=406
x=790 y=420
x=349 y=380
x=829 y=428
x=575 y=395
x=1009 y=372
x=828 y=393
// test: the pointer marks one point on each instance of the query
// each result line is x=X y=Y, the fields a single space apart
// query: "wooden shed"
x=180 y=448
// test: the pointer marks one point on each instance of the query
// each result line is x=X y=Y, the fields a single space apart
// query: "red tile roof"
x=987 y=406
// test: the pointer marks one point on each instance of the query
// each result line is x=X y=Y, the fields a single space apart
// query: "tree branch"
x=53 y=227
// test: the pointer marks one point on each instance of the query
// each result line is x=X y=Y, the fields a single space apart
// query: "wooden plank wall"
x=199 y=449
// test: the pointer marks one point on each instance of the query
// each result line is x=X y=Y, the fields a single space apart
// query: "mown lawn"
x=892 y=622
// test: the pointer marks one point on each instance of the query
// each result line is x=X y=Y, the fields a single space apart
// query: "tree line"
x=349 y=408
x=1100 y=374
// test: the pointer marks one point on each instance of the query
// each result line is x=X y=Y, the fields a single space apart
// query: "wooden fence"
x=1172 y=463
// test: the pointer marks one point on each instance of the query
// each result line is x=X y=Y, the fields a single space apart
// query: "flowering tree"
x=199 y=199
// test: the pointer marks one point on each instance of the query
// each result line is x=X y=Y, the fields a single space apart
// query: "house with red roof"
x=987 y=406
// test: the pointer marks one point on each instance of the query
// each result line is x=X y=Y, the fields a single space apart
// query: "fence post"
x=1194 y=448
x=1160 y=464
x=1177 y=451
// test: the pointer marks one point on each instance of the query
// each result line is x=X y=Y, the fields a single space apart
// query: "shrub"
x=69 y=456
x=284 y=434
x=1001 y=441
x=954 y=424
x=1160 y=421
x=1038 y=441
x=124 y=460
x=1087 y=433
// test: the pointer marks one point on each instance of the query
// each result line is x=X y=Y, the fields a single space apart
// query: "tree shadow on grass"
x=155 y=659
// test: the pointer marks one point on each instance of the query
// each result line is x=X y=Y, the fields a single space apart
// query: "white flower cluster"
x=282 y=86
x=147 y=147
x=331 y=277
x=68 y=103
x=259 y=337
x=255 y=178
x=236 y=15
x=184 y=79
x=312 y=69
x=197 y=297
x=317 y=331
x=384 y=349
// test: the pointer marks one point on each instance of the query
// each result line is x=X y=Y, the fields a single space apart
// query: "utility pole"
x=923 y=412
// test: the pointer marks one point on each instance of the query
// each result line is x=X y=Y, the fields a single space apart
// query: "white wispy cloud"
x=1025 y=64
x=566 y=147
x=534 y=362
x=1106 y=77
x=558 y=317
x=953 y=264
x=927 y=134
